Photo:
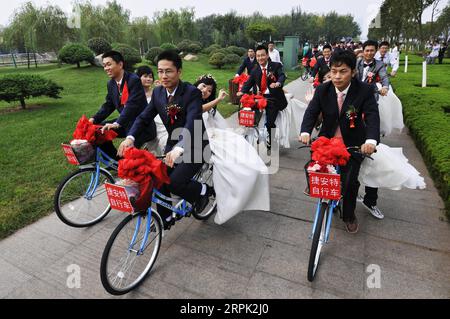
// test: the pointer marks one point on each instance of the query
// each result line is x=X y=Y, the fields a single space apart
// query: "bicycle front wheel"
x=317 y=243
x=130 y=253
x=81 y=199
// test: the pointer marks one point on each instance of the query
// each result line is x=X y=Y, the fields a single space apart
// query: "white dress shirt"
x=275 y=56
x=389 y=59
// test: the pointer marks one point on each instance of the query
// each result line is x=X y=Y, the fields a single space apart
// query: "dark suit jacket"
x=189 y=98
x=322 y=68
x=134 y=106
x=275 y=69
x=247 y=64
x=360 y=95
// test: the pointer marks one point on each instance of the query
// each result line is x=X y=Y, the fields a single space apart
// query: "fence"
x=18 y=59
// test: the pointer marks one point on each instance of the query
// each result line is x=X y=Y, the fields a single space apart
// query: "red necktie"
x=264 y=82
x=341 y=96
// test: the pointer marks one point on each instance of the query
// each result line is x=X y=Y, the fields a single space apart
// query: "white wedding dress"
x=390 y=169
x=241 y=179
x=391 y=113
x=240 y=176
x=289 y=121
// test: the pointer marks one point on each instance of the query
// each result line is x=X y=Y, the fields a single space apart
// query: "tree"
x=152 y=54
x=417 y=8
x=99 y=45
x=130 y=55
x=19 y=87
x=217 y=60
x=443 y=22
x=260 y=31
x=75 y=53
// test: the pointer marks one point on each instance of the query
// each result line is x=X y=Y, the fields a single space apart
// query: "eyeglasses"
x=167 y=72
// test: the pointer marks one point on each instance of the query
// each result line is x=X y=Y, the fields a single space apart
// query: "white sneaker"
x=374 y=210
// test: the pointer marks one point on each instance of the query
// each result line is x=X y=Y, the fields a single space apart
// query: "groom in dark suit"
x=268 y=78
x=126 y=95
x=180 y=107
x=335 y=100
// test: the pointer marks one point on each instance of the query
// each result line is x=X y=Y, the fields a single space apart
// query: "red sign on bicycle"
x=247 y=118
x=118 y=198
x=70 y=155
x=326 y=186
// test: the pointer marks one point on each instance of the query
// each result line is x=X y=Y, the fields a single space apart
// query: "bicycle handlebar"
x=351 y=149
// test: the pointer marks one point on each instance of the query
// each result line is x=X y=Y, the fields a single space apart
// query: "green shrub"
x=75 y=53
x=130 y=55
x=195 y=48
x=184 y=45
x=152 y=54
x=211 y=48
x=19 y=87
x=217 y=60
x=99 y=45
x=169 y=46
x=237 y=50
x=232 y=59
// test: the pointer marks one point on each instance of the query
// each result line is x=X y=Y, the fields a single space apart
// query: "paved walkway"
x=256 y=254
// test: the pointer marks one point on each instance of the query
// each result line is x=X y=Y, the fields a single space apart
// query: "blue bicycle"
x=325 y=210
x=134 y=245
x=80 y=200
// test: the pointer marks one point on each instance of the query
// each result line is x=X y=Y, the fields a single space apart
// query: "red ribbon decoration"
x=143 y=168
x=85 y=130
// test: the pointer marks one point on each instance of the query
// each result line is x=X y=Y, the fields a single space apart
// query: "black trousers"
x=271 y=115
x=182 y=185
x=371 y=197
x=349 y=176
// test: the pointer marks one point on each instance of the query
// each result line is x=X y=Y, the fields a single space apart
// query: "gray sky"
x=363 y=10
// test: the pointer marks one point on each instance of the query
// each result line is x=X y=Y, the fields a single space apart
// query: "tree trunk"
x=22 y=103
x=78 y=64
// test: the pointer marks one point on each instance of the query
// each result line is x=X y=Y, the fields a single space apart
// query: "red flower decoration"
x=253 y=101
x=85 y=130
x=330 y=151
x=143 y=168
x=172 y=111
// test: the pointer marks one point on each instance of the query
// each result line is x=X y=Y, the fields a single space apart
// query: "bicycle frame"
x=100 y=158
x=332 y=205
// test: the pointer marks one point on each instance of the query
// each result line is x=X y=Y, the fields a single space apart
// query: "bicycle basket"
x=84 y=151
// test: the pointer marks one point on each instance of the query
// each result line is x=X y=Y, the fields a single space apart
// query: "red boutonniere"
x=370 y=76
x=172 y=111
x=352 y=115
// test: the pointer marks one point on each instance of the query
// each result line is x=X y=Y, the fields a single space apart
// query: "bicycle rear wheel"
x=131 y=252
x=305 y=75
x=317 y=242
x=81 y=199
x=205 y=176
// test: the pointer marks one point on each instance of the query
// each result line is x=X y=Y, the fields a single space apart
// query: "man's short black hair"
x=271 y=42
x=370 y=43
x=327 y=46
x=173 y=56
x=262 y=47
x=385 y=43
x=116 y=56
x=344 y=57
x=144 y=69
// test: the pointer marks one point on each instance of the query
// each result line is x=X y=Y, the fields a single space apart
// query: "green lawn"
x=32 y=163
x=426 y=113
